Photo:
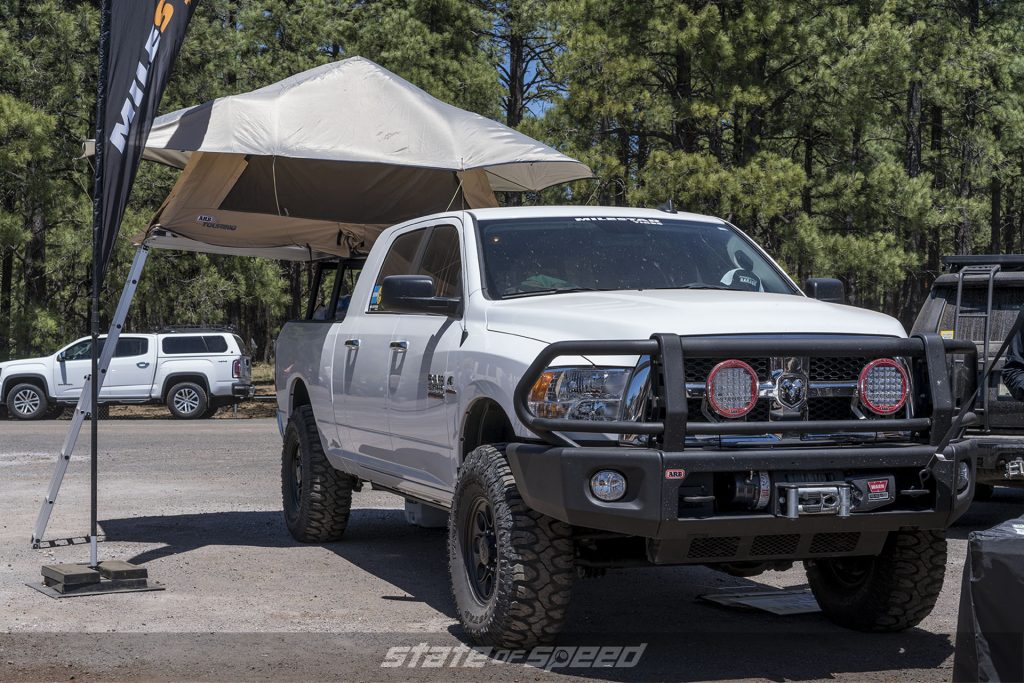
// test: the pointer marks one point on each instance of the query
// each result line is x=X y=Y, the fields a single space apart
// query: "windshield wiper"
x=699 y=285
x=553 y=290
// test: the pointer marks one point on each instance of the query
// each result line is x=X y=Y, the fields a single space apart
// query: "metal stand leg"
x=84 y=407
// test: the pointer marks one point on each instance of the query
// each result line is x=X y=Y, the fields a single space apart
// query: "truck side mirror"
x=60 y=357
x=414 y=294
x=826 y=289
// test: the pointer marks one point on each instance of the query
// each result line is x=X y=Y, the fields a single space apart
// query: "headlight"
x=579 y=393
x=883 y=386
x=732 y=388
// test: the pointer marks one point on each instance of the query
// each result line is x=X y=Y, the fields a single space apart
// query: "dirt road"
x=199 y=504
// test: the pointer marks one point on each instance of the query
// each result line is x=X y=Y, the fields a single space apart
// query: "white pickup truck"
x=578 y=388
x=194 y=373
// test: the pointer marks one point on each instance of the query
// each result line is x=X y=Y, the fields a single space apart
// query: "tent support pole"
x=84 y=408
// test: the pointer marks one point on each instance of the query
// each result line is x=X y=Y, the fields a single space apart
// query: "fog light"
x=963 y=476
x=608 y=485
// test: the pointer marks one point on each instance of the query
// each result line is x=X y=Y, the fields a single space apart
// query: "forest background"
x=858 y=139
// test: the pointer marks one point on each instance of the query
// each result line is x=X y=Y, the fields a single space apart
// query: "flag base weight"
x=111 y=576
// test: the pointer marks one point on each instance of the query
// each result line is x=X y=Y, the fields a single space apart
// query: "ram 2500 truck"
x=582 y=388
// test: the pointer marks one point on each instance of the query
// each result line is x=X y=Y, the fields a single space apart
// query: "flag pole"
x=97 y=266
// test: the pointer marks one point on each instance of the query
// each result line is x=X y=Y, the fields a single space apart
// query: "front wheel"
x=511 y=568
x=187 y=401
x=27 y=402
x=892 y=591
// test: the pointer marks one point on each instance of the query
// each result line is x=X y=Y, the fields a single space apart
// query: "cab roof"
x=509 y=212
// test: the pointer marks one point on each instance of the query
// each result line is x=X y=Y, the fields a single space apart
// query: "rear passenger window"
x=206 y=344
x=131 y=346
x=397 y=262
x=216 y=344
x=179 y=345
x=441 y=261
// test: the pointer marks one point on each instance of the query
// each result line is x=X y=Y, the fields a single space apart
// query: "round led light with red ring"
x=881 y=407
x=740 y=404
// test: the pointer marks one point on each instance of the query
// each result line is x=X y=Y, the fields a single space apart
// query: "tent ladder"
x=83 y=409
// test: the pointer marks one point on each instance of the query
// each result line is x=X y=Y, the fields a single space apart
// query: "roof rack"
x=1006 y=261
x=170 y=329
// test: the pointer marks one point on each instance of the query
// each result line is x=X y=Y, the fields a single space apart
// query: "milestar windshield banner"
x=145 y=37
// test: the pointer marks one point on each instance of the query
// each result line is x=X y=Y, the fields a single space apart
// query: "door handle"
x=352 y=343
x=142 y=364
x=400 y=345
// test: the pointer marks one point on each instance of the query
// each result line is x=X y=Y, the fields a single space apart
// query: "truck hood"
x=10 y=366
x=639 y=314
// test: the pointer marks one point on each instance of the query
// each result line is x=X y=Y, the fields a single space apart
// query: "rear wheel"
x=890 y=592
x=27 y=402
x=187 y=401
x=317 y=498
x=511 y=568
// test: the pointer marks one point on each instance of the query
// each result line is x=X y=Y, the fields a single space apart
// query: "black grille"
x=845 y=542
x=836 y=369
x=698 y=369
x=830 y=408
x=716 y=546
x=694 y=412
x=782 y=544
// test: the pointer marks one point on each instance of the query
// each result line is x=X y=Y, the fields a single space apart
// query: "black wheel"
x=187 y=401
x=317 y=497
x=890 y=592
x=511 y=568
x=983 y=491
x=26 y=402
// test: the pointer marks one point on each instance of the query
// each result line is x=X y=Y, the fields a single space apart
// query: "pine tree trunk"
x=34 y=269
x=6 y=285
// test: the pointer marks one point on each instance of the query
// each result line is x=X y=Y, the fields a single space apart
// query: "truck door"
x=70 y=368
x=130 y=374
x=422 y=398
x=132 y=369
x=362 y=358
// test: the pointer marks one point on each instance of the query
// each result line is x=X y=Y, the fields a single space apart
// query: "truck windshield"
x=525 y=257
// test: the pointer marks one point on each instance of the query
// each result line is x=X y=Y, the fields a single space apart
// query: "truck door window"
x=324 y=279
x=131 y=346
x=441 y=261
x=82 y=349
x=399 y=261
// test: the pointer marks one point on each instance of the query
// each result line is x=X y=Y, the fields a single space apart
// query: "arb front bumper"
x=703 y=501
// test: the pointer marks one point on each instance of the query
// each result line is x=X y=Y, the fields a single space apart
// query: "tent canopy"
x=322 y=161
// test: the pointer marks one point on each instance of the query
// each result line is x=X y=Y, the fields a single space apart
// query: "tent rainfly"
x=319 y=163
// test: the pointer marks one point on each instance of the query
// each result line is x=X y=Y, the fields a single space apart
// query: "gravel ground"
x=198 y=503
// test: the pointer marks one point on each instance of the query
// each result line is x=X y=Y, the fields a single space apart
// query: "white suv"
x=194 y=373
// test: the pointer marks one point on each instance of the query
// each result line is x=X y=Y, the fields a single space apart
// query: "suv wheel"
x=891 y=592
x=27 y=402
x=187 y=401
x=511 y=568
x=317 y=497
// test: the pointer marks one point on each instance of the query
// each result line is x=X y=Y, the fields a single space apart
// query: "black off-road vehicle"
x=978 y=300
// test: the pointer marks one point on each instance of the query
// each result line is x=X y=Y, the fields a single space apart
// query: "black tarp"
x=990 y=629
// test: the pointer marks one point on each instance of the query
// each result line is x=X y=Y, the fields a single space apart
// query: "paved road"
x=198 y=503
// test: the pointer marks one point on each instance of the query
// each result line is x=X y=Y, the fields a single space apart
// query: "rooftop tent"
x=321 y=162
